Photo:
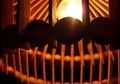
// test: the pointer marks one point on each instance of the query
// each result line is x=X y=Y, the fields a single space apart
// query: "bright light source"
x=70 y=8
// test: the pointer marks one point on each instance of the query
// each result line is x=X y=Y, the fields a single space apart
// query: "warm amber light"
x=70 y=8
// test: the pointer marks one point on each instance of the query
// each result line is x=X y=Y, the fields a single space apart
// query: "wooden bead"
x=68 y=30
x=10 y=37
x=103 y=30
x=37 y=33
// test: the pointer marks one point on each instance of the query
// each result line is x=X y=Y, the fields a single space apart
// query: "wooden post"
x=118 y=66
x=114 y=10
x=85 y=11
x=50 y=12
x=54 y=9
x=6 y=13
x=23 y=14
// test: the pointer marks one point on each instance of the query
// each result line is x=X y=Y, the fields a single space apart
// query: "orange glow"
x=70 y=8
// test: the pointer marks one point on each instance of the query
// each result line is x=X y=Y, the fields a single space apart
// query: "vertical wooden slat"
x=62 y=63
x=14 y=64
x=20 y=64
x=53 y=65
x=2 y=65
x=90 y=49
x=110 y=59
x=72 y=63
x=101 y=61
x=100 y=69
x=81 y=51
x=118 y=66
x=91 y=71
x=6 y=63
x=109 y=64
x=99 y=49
x=23 y=14
x=44 y=69
x=34 y=61
x=27 y=66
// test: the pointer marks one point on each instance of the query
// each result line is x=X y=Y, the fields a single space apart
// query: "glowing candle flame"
x=70 y=8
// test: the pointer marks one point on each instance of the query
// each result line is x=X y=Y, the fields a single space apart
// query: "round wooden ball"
x=37 y=33
x=10 y=37
x=68 y=30
x=103 y=30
